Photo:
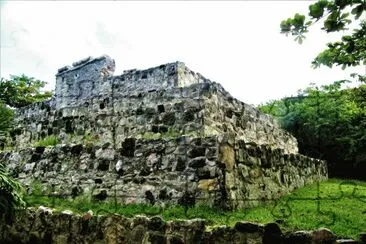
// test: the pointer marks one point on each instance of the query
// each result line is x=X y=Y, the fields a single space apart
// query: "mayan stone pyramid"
x=164 y=135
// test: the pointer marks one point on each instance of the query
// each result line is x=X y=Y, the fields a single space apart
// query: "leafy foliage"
x=350 y=51
x=329 y=123
x=6 y=119
x=10 y=192
x=20 y=91
x=337 y=14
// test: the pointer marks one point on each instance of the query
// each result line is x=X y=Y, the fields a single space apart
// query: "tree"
x=20 y=91
x=338 y=14
x=329 y=123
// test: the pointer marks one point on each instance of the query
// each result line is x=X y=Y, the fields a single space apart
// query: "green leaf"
x=330 y=25
x=298 y=20
x=308 y=23
x=285 y=26
x=341 y=3
x=344 y=15
x=358 y=10
x=348 y=21
x=316 y=10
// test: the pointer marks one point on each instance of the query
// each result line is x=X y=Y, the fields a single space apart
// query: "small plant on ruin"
x=47 y=141
x=36 y=188
x=88 y=138
x=171 y=133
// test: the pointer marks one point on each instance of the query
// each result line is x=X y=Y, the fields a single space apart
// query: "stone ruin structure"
x=164 y=135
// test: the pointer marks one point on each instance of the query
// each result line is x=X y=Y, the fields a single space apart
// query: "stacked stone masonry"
x=44 y=226
x=161 y=135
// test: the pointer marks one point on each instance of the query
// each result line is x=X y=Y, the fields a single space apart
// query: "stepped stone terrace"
x=161 y=135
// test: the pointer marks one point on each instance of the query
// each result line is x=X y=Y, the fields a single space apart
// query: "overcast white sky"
x=235 y=43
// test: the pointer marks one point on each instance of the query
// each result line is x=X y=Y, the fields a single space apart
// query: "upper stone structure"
x=90 y=78
x=160 y=135
x=86 y=78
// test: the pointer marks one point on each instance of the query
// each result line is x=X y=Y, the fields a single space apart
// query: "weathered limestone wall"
x=111 y=120
x=142 y=171
x=208 y=170
x=90 y=102
x=194 y=110
x=225 y=114
x=44 y=226
x=259 y=173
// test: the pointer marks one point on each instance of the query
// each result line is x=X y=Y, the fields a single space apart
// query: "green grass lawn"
x=339 y=206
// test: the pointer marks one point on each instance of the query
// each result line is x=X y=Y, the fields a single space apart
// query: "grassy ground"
x=335 y=204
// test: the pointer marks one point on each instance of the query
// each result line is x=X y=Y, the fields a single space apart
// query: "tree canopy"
x=20 y=91
x=337 y=15
x=329 y=123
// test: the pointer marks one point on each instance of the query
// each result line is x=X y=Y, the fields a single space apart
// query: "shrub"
x=10 y=192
